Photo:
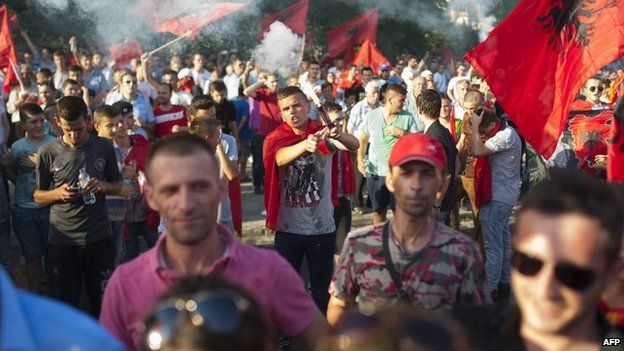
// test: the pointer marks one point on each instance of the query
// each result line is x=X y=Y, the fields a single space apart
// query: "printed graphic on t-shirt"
x=301 y=184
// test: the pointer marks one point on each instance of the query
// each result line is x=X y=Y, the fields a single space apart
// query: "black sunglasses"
x=218 y=311
x=593 y=89
x=573 y=277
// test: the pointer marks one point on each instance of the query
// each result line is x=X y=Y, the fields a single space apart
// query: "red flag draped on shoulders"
x=8 y=55
x=294 y=17
x=536 y=60
x=345 y=36
x=368 y=55
x=281 y=137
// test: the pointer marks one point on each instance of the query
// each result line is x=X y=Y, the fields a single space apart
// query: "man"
x=592 y=90
x=440 y=79
x=68 y=328
x=327 y=95
x=141 y=106
x=429 y=103
x=94 y=80
x=166 y=115
x=350 y=82
x=298 y=191
x=199 y=73
x=30 y=220
x=183 y=185
x=60 y=72
x=411 y=259
x=178 y=97
x=47 y=102
x=446 y=121
x=412 y=70
x=75 y=74
x=233 y=80
x=107 y=121
x=225 y=110
x=265 y=93
x=81 y=245
x=367 y=77
x=419 y=84
x=461 y=75
x=358 y=114
x=312 y=76
x=497 y=187
x=382 y=128
x=567 y=238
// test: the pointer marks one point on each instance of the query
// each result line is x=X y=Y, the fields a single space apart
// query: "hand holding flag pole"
x=19 y=78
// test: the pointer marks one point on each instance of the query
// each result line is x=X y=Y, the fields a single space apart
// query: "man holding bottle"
x=80 y=239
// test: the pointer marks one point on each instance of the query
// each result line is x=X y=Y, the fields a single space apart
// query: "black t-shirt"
x=226 y=113
x=438 y=131
x=75 y=223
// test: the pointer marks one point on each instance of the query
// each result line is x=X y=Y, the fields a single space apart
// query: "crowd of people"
x=96 y=155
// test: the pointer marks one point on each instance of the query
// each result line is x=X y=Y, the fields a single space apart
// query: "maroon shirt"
x=270 y=117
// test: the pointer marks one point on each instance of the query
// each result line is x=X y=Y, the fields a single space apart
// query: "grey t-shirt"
x=505 y=163
x=75 y=223
x=26 y=181
x=305 y=205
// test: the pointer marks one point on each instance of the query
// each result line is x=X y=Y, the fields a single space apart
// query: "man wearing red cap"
x=412 y=258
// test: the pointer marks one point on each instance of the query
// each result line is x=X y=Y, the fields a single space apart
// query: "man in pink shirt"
x=186 y=193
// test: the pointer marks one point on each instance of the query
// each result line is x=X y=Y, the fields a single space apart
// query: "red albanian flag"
x=615 y=153
x=294 y=17
x=125 y=51
x=8 y=55
x=193 y=22
x=356 y=31
x=368 y=55
x=536 y=60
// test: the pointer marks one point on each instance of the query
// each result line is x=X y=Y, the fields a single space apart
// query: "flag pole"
x=170 y=43
x=19 y=78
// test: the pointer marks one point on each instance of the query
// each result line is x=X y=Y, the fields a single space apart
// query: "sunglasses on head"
x=572 y=276
x=593 y=89
x=218 y=311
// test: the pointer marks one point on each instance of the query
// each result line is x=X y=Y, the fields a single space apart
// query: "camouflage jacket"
x=447 y=271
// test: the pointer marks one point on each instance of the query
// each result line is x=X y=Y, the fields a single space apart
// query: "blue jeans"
x=118 y=227
x=135 y=230
x=319 y=252
x=494 y=220
x=31 y=226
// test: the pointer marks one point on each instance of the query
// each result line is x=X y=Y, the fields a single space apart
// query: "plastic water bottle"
x=83 y=179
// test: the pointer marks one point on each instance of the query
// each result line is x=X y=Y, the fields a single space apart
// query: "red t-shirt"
x=270 y=117
x=165 y=120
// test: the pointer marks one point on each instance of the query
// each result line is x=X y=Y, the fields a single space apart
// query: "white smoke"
x=475 y=13
x=280 y=49
x=118 y=20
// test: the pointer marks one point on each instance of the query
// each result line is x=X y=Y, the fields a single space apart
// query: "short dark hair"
x=429 y=103
x=29 y=110
x=253 y=331
x=169 y=71
x=326 y=85
x=200 y=102
x=397 y=88
x=68 y=82
x=367 y=68
x=569 y=191
x=105 y=111
x=71 y=108
x=315 y=63
x=46 y=72
x=204 y=126
x=181 y=144
x=290 y=91
x=75 y=68
x=217 y=86
x=330 y=107
x=488 y=118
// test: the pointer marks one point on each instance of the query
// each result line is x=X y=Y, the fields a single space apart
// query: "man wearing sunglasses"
x=565 y=253
x=592 y=90
x=184 y=186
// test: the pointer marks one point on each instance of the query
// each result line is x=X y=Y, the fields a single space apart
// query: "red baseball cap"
x=418 y=147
